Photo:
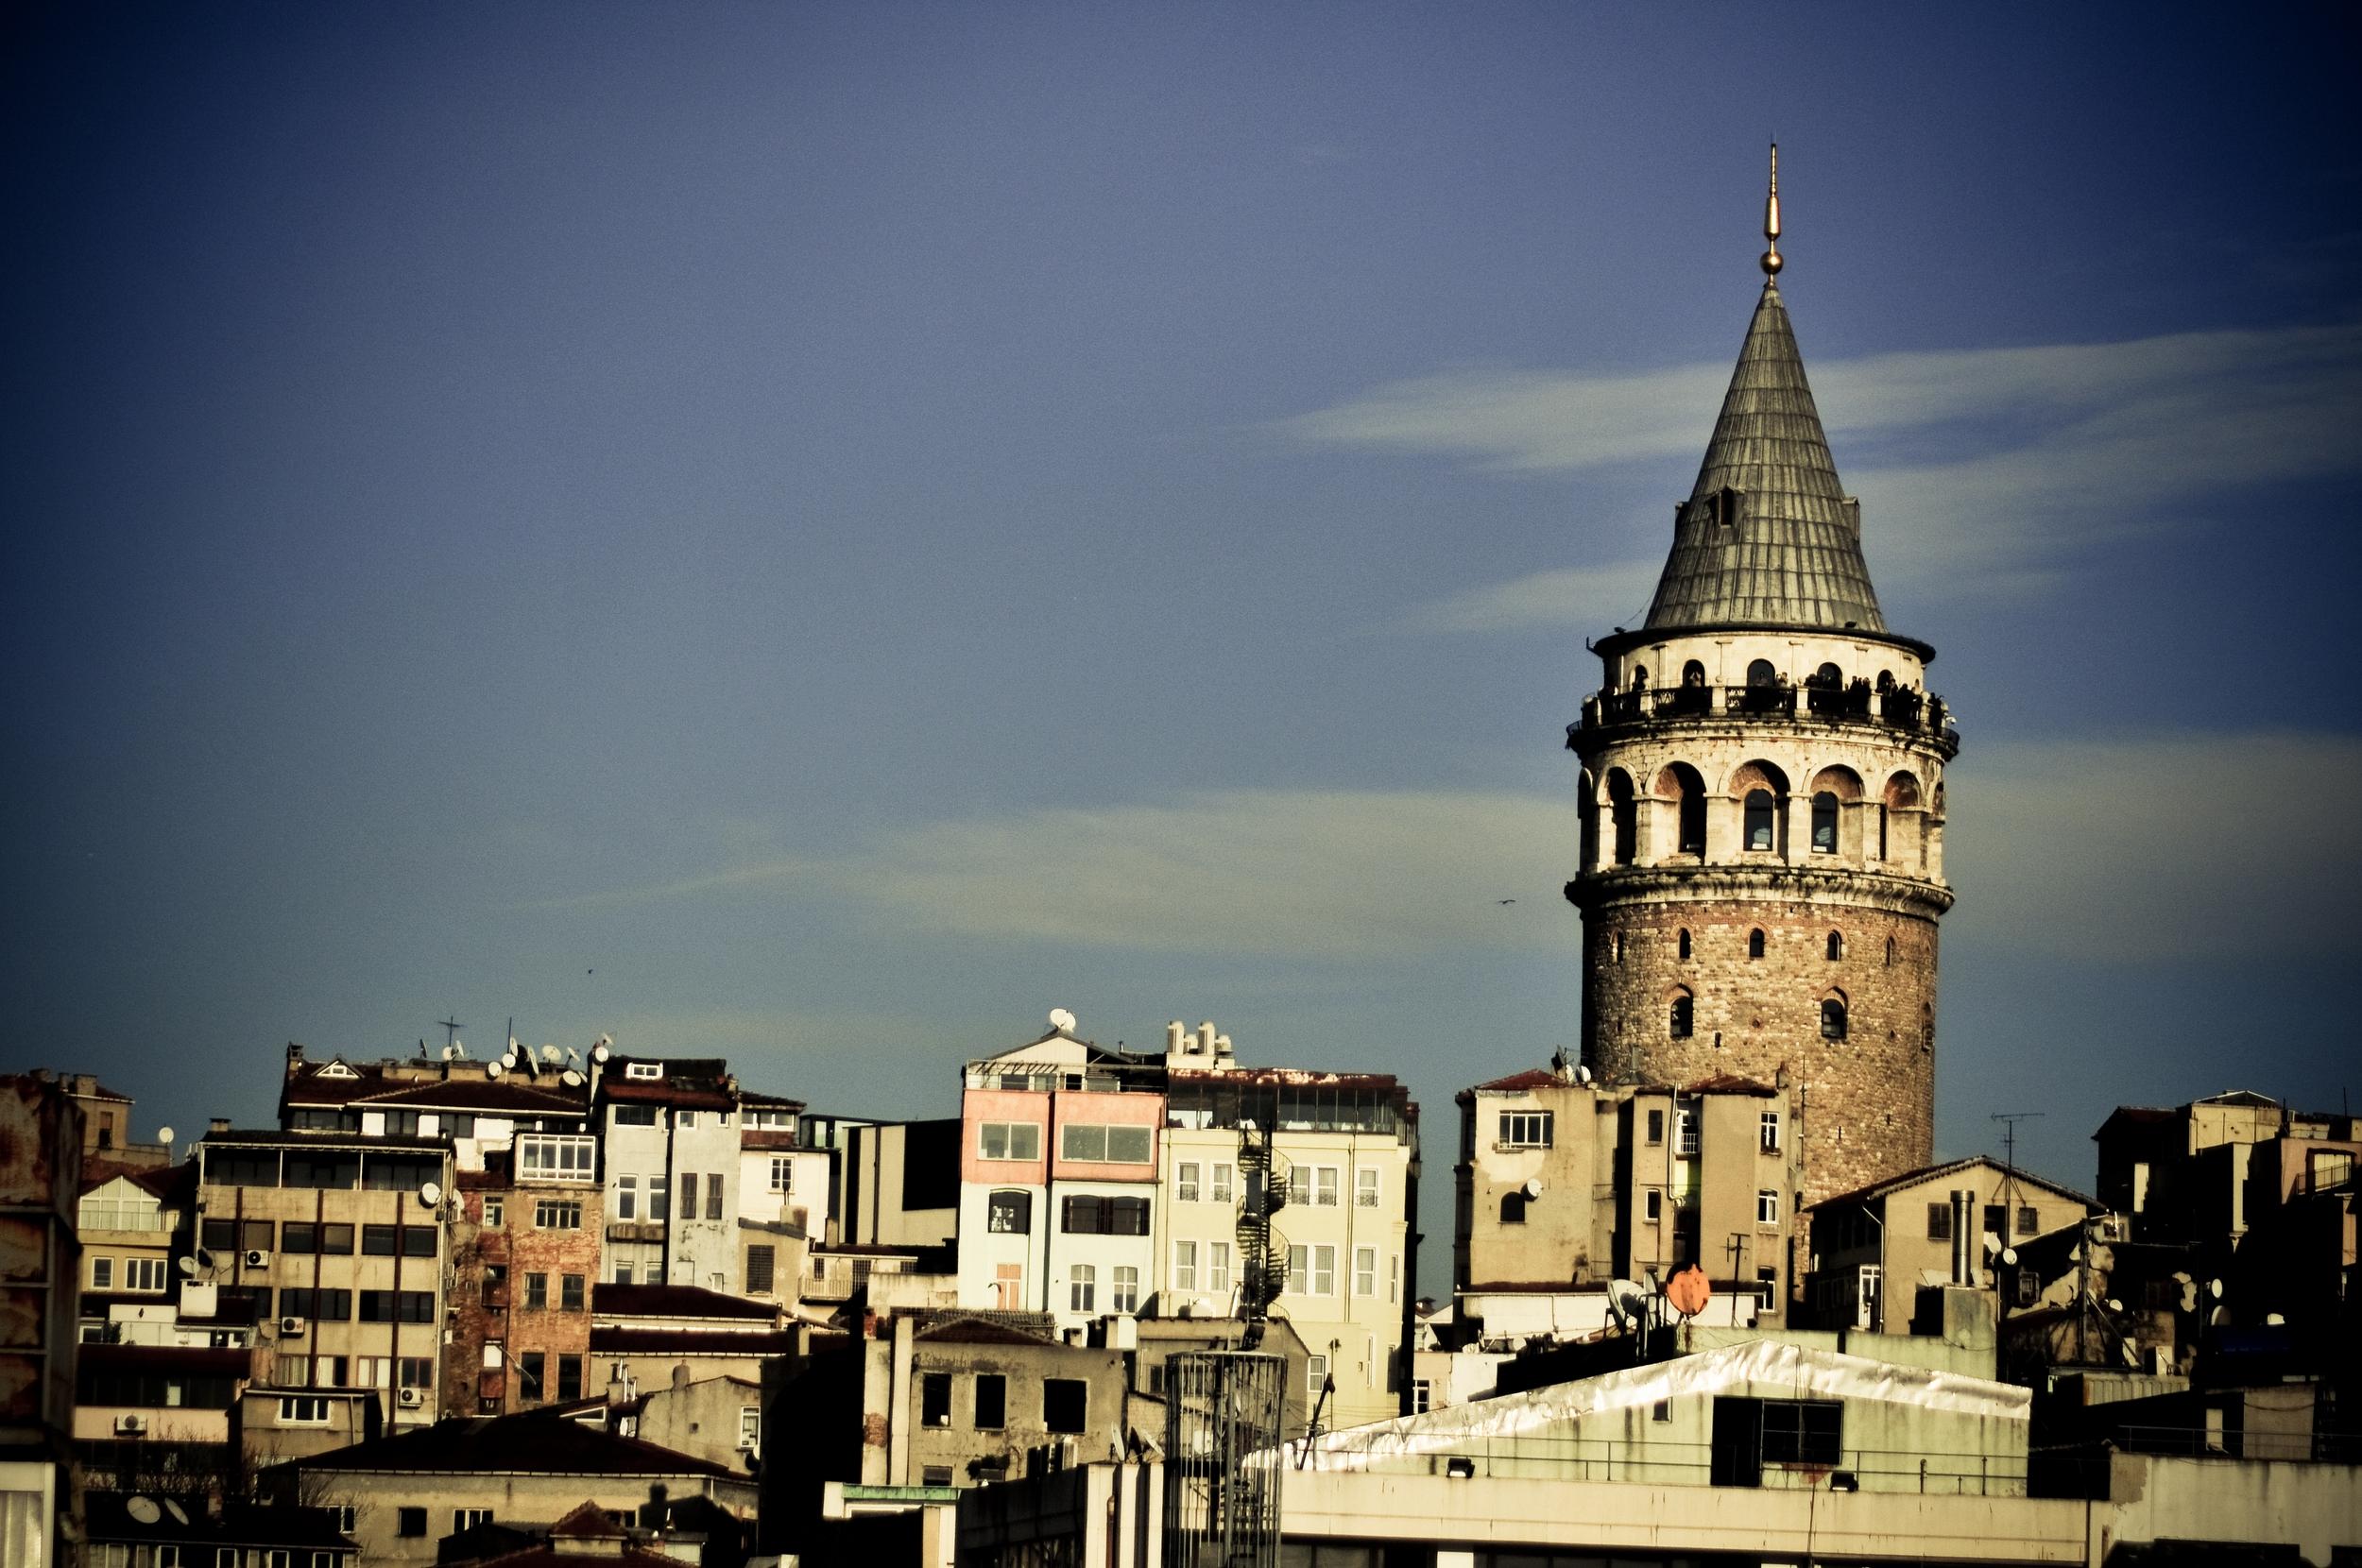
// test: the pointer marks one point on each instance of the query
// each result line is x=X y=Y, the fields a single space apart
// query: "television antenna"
x=2009 y=1120
x=451 y=1028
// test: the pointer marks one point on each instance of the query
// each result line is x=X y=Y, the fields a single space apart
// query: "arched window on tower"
x=1679 y=783
x=1889 y=952
x=1927 y=1027
x=1685 y=944
x=1824 y=823
x=1833 y=1017
x=1639 y=677
x=1616 y=948
x=1837 y=946
x=1755 y=943
x=1623 y=817
x=1760 y=825
x=1683 y=1019
x=1759 y=673
x=1693 y=674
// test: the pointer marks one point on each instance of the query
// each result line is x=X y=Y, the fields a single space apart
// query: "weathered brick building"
x=1762 y=792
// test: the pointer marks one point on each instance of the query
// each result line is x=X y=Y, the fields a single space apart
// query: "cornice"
x=1660 y=885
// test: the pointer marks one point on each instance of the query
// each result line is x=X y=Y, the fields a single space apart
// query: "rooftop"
x=513 y=1446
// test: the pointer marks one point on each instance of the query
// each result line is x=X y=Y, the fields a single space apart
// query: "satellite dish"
x=144 y=1510
x=1687 y=1292
x=1061 y=1020
x=600 y=1053
x=2008 y=1256
x=187 y=1267
x=1627 y=1299
x=179 y=1514
x=204 y=1258
x=509 y=1060
x=551 y=1053
x=431 y=1194
x=492 y=1070
x=572 y=1079
x=1583 y=1074
x=2214 y=1289
x=451 y=1052
x=2114 y=1305
x=1534 y=1187
x=164 y=1135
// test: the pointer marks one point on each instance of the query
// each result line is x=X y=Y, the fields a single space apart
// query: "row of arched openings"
x=1682 y=1018
x=1761 y=788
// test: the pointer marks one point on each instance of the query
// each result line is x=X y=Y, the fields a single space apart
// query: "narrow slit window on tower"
x=1833 y=1018
x=1616 y=948
x=1837 y=946
x=1824 y=823
x=1889 y=952
x=1755 y=943
x=1927 y=1027
x=1684 y=1015
x=1760 y=819
x=1685 y=944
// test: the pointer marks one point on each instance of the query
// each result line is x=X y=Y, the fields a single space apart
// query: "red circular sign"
x=1688 y=1292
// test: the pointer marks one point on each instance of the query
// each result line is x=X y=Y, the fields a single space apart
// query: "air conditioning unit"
x=748 y=1443
x=257 y=1258
x=291 y=1328
x=411 y=1399
x=130 y=1426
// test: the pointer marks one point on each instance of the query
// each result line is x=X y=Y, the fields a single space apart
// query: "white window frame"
x=1315 y=1373
x=1684 y=1131
x=627 y=1198
x=102 y=1274
x=1526 y=1129
x=1299 y=1270
x=1095 y=1143
x=1327 y=1192
x=1218 y=1266
x=643 y=1070
x=1770 y=1132
x=1767 y=1207
x=1184 y=1182
x=1365 y=1187
x=782 y=1173
x=1123 y=1293
x=1365 y=1271
x=1020 y=1140
x=1219 y=1190
x=1653 y=1205
x=1323 y=1270
x=557 y=1157
x=298 y=1409
x=1082 y=1282
x=462 y=1518
x=1185 y=1266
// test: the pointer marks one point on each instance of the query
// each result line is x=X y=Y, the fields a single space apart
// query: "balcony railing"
x=1900 y=708
x=1672 y=1463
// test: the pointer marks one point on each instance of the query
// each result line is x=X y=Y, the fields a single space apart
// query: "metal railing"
x=1899 y=708
x=1674 y=1463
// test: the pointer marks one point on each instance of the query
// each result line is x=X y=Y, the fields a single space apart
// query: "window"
x=1685 y=1129
x=1185 y=1266
x=1926 y=1028
x=1218 y=1266
x=1825 y=825
x=1682 y=1021
x=1422 y=1396
x=1393 y=1276
x=1365 y=1189
x=1770 y=1132
x=1652 y=1204
x=643 y=1069
x=623 y=1272
x=1996 y=1219
x=545 y=1157
x=1104 y=1217
x=750 y=1426
x=688 y=1195
x=410 y=1240
x=569 y=1294
x=102 y=1274
x=557 y=1214
x=685 y=1119
x=660 y=1199
x=1682 y=943
x=1833 y=1018
x=1767 y=1288
x=1009 y=1213
x=1103 y=1145
x=1126 y=1297
x=992 y=1401
x=1324 y=1187
x=1661 y=1411
x=1514 y=1207
x=397 y=1306
x=410 y=1521
x=336 y=1240
x=1365 y=1271
x=934 y=1399
x=713 y=1198
x=329 y=1306
x=759 y=1262
x=417 y=1372
x=1754 y=943
x=1315 y=1373
x=569 y=1378
x=626 y=1196
x=467 y=1519
x=1767 y=1208
x=495 y=1212
x=1525 y=1129
x=538 y=1293
x=1184 y=1182
x=529 y=1382
x=1803 y=1431
x=1221 y=1192
x=782 y=1173
x=1082 y=1283
x=1323 y=1270
x=1009 y=1140
x=1299 y=1270
x=635 y=1116
x=303 y=1411
x=1656 y=1126
x=1065 y=1402
x=1758 y=820
x=1300 y=1186
x=292 y=1371
x=1939 y=1221
x=2029 y=1223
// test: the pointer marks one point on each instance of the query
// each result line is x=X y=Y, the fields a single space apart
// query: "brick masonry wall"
x=1868 y=1100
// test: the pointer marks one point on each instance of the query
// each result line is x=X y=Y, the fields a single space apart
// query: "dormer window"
x=643 y=1069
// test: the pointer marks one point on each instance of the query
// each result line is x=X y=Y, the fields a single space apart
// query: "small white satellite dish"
x=1061 y=1020
x=164 y=1135
x=2008 y=1256
x=187 y=1267
x=1583 y=1074
x=2114 y=1305
x=144 y=1510
x=493 y=1069
x=431 y=1193
x=452 y=1052
x=509 y=1060
x=2273 y=1319
x=179 y=1514
x=2214 y=1289
x=1627 y=1299
x=599 y=1052
x=1533 y=1187
x=551 y=1053
x=572 y=1079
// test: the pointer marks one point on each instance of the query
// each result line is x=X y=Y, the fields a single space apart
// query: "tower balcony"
x=1899 y=709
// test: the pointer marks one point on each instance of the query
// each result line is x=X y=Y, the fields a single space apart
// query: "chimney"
x=1174 y=1034
x=1964 y=1239
x=1206 y=1038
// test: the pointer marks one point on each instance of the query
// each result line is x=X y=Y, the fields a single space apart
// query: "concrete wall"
x=378 y=1498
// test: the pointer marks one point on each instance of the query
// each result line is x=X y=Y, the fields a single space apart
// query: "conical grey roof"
x=1769 y=538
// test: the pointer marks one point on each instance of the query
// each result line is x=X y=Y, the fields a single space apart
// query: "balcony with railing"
x=1895 y=708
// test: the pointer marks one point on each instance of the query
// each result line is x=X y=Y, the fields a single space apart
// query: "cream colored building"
x=1345 y=1151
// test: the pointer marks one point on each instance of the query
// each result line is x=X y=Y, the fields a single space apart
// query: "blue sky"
x=818 y=533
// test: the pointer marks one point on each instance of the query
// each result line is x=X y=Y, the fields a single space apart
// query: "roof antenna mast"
x=1773 y=259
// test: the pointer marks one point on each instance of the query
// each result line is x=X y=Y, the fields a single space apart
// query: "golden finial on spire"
x=1773 y=259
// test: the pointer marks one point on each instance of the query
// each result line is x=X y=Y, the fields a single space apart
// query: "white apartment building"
x=674 y=1168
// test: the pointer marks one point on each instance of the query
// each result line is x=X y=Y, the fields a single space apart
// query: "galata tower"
x=1763 y=797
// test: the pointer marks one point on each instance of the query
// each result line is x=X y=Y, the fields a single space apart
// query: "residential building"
x=336 y=1240
x=655 y=1335
x=525 y=1242
x=1876 y=1249
x=107 y=1143
x=42 y=1139
x=1761 y=864
x=782 y=1195
x=1565 y=1184
x=138 y=1528
x=898 y=1183
x=673 y=1164
x=131 y=1224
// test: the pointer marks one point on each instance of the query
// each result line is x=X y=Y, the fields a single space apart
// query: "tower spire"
x=1773 y=259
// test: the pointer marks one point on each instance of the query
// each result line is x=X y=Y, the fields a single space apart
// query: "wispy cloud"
x=2138 y=847
x=1992 y=467
x=1576 y=596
